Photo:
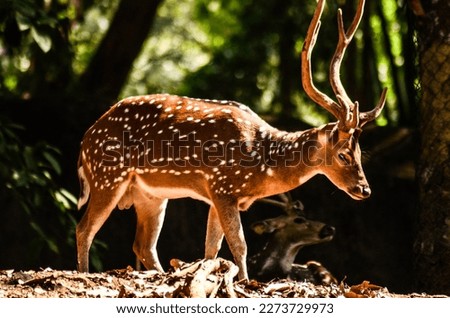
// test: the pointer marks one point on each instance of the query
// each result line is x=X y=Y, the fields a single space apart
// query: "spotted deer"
x=286 y=235
x=147 y=149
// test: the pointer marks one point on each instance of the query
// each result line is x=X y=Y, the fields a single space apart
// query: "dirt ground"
x=212 y=278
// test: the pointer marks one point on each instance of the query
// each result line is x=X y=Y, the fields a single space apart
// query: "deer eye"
x=299 y=220
x=344 y=158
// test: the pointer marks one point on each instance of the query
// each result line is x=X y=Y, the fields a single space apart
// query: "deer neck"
x=291 y=158
x=277 y=257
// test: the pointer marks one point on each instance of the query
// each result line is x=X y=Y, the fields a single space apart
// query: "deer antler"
x=345 y=111
x=366 y=117
x=307 y=81
x=273 y=202
x=288 y=205
x=344 y=40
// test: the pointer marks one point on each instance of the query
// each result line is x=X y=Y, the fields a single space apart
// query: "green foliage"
x=33 y=34
x=219 y=49
x=250 y=51
x=28 y=178
x=86 y=35
x=178 y=46
x=246 y=50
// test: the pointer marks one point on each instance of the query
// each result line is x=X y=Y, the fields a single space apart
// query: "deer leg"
x=214 y=234
x=99 y=208
x=150 y=212
x=230 y=220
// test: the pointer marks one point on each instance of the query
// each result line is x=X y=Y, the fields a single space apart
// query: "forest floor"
x=212 y=278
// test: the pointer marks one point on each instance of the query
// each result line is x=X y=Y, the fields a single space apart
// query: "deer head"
x=339 y=141
x=286 y=235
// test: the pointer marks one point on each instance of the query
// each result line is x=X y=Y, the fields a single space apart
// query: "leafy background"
x=63 y=62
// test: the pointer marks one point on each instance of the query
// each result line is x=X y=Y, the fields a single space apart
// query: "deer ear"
x=262 y=227
x=267 y=226
x=259 y=227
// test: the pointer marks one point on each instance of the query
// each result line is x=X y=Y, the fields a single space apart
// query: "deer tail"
x=84 y=185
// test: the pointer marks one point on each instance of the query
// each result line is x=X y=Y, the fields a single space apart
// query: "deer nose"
x=326 y=231
x=364 y=191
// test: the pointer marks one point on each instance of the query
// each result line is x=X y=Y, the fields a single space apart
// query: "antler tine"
x=273 y=202
x=365 y=117
x=290 y=204
x=285 y=197
x=298 y=205
x=344 y=40
x=307 y=81
x=287 y=205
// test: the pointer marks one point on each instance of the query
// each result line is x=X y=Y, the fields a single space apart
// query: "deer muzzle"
x=361 y=192
x=327 y=232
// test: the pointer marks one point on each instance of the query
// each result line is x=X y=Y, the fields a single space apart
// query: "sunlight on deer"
x=148 y=149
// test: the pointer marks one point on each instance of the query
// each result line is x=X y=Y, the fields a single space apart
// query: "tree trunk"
x=109 y=68
x=432 y=246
